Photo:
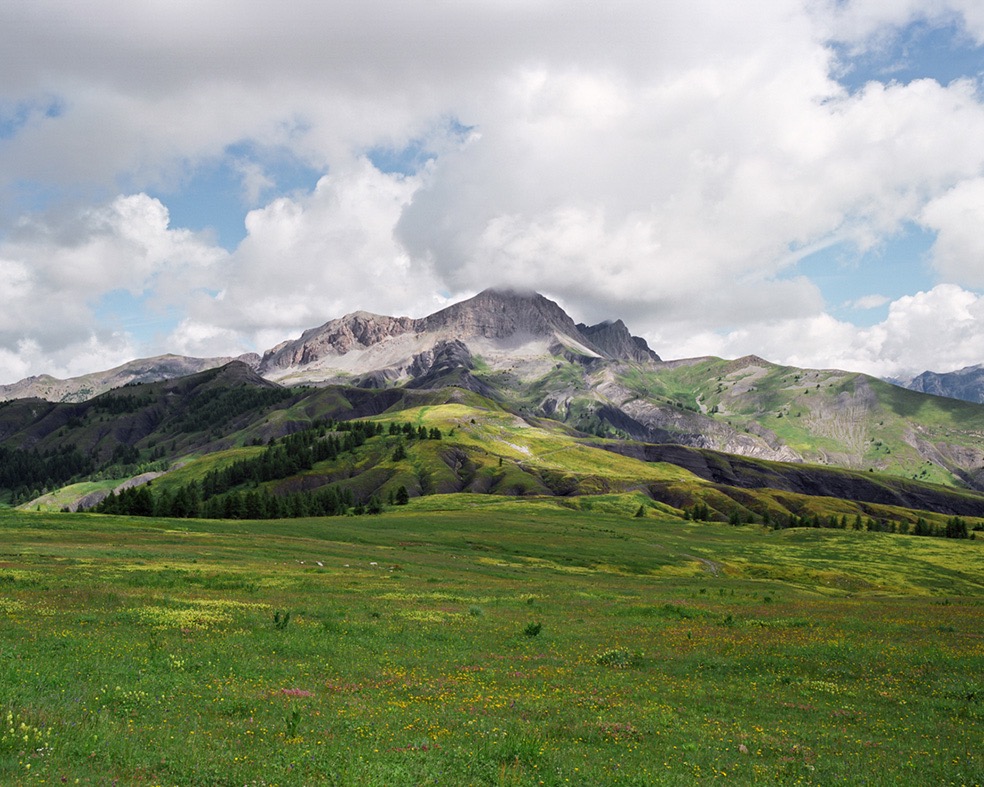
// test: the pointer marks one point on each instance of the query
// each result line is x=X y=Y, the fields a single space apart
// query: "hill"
x=143 y=370
x=230 y=444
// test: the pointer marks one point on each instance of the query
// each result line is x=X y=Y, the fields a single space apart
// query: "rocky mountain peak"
x=339 y=336
x=614 y=338
x=515 y=330
x=499 y=314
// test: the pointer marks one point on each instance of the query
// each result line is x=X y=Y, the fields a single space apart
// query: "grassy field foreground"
x=496 y=643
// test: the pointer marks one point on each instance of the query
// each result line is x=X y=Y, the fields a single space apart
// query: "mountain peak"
x=499 y=313
x=614 y=338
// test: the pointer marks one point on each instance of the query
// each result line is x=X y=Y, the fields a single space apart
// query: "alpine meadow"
x=490 y=547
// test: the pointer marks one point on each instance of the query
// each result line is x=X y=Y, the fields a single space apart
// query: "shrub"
x=620 y=658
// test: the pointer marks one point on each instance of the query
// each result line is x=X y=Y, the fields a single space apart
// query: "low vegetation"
x=521 y=601
x=474 y=639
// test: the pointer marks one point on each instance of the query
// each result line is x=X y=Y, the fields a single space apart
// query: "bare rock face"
x=500 y=314
x=966 y=384
x=336 y=337
x=522 y=333
x=382 y=349
x=615 y=340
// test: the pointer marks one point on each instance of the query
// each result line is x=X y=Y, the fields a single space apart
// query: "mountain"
x=521 y=353
x=226 y=443
x=966 y=384
x=614 y=338
x=500 y=329
x=143 y=370
x=192 y=413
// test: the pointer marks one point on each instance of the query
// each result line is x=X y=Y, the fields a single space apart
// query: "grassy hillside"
x=860 y=437
x=755 y=408
x=485 y=450
x=827 y=416
x=469 y=639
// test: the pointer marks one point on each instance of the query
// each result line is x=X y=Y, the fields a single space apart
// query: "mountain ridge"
x=966 y=384
x=139 y=370
x=524 y=352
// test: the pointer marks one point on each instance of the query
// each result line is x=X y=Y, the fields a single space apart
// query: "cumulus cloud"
x=939 y=329
x=55 y=271
x=662 y=164
x=957 y=216
x=315 y=256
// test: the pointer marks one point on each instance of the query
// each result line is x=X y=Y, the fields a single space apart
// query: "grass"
x=824 y=415
x=161 y=652
x=67 y=495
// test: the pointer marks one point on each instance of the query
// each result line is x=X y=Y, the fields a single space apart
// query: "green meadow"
x=468 y=639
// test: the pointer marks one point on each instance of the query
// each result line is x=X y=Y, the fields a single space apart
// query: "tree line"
x=955 y=527
x=27 y=472
x=233 y=492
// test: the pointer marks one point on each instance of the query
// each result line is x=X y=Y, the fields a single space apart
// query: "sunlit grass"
x=161 y=652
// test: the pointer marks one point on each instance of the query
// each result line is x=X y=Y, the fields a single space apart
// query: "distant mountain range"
x=521 y=353
x=374 y=350
x=143 y=370
x=966 y=384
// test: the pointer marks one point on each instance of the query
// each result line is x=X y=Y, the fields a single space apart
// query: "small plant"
x=620 y=658
x=475 y=611
x=533 y=629
x=281 y=619
x=292 y=720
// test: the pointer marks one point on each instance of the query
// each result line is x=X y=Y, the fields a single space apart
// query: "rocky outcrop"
x=336 y=337
x=616 y=341
x=501 y=314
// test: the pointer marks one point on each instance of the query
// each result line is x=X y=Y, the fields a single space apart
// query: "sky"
x=798 y=179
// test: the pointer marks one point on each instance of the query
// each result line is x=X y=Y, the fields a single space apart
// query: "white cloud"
x=939 y=329
x=657 y=164
x=54 y=273
x=872 y=21
x=310 y=258
x=865 y=302
x=255 y=181
x=958 y=217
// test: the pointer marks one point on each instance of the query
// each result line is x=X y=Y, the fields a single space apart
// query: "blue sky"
x=800 y=180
